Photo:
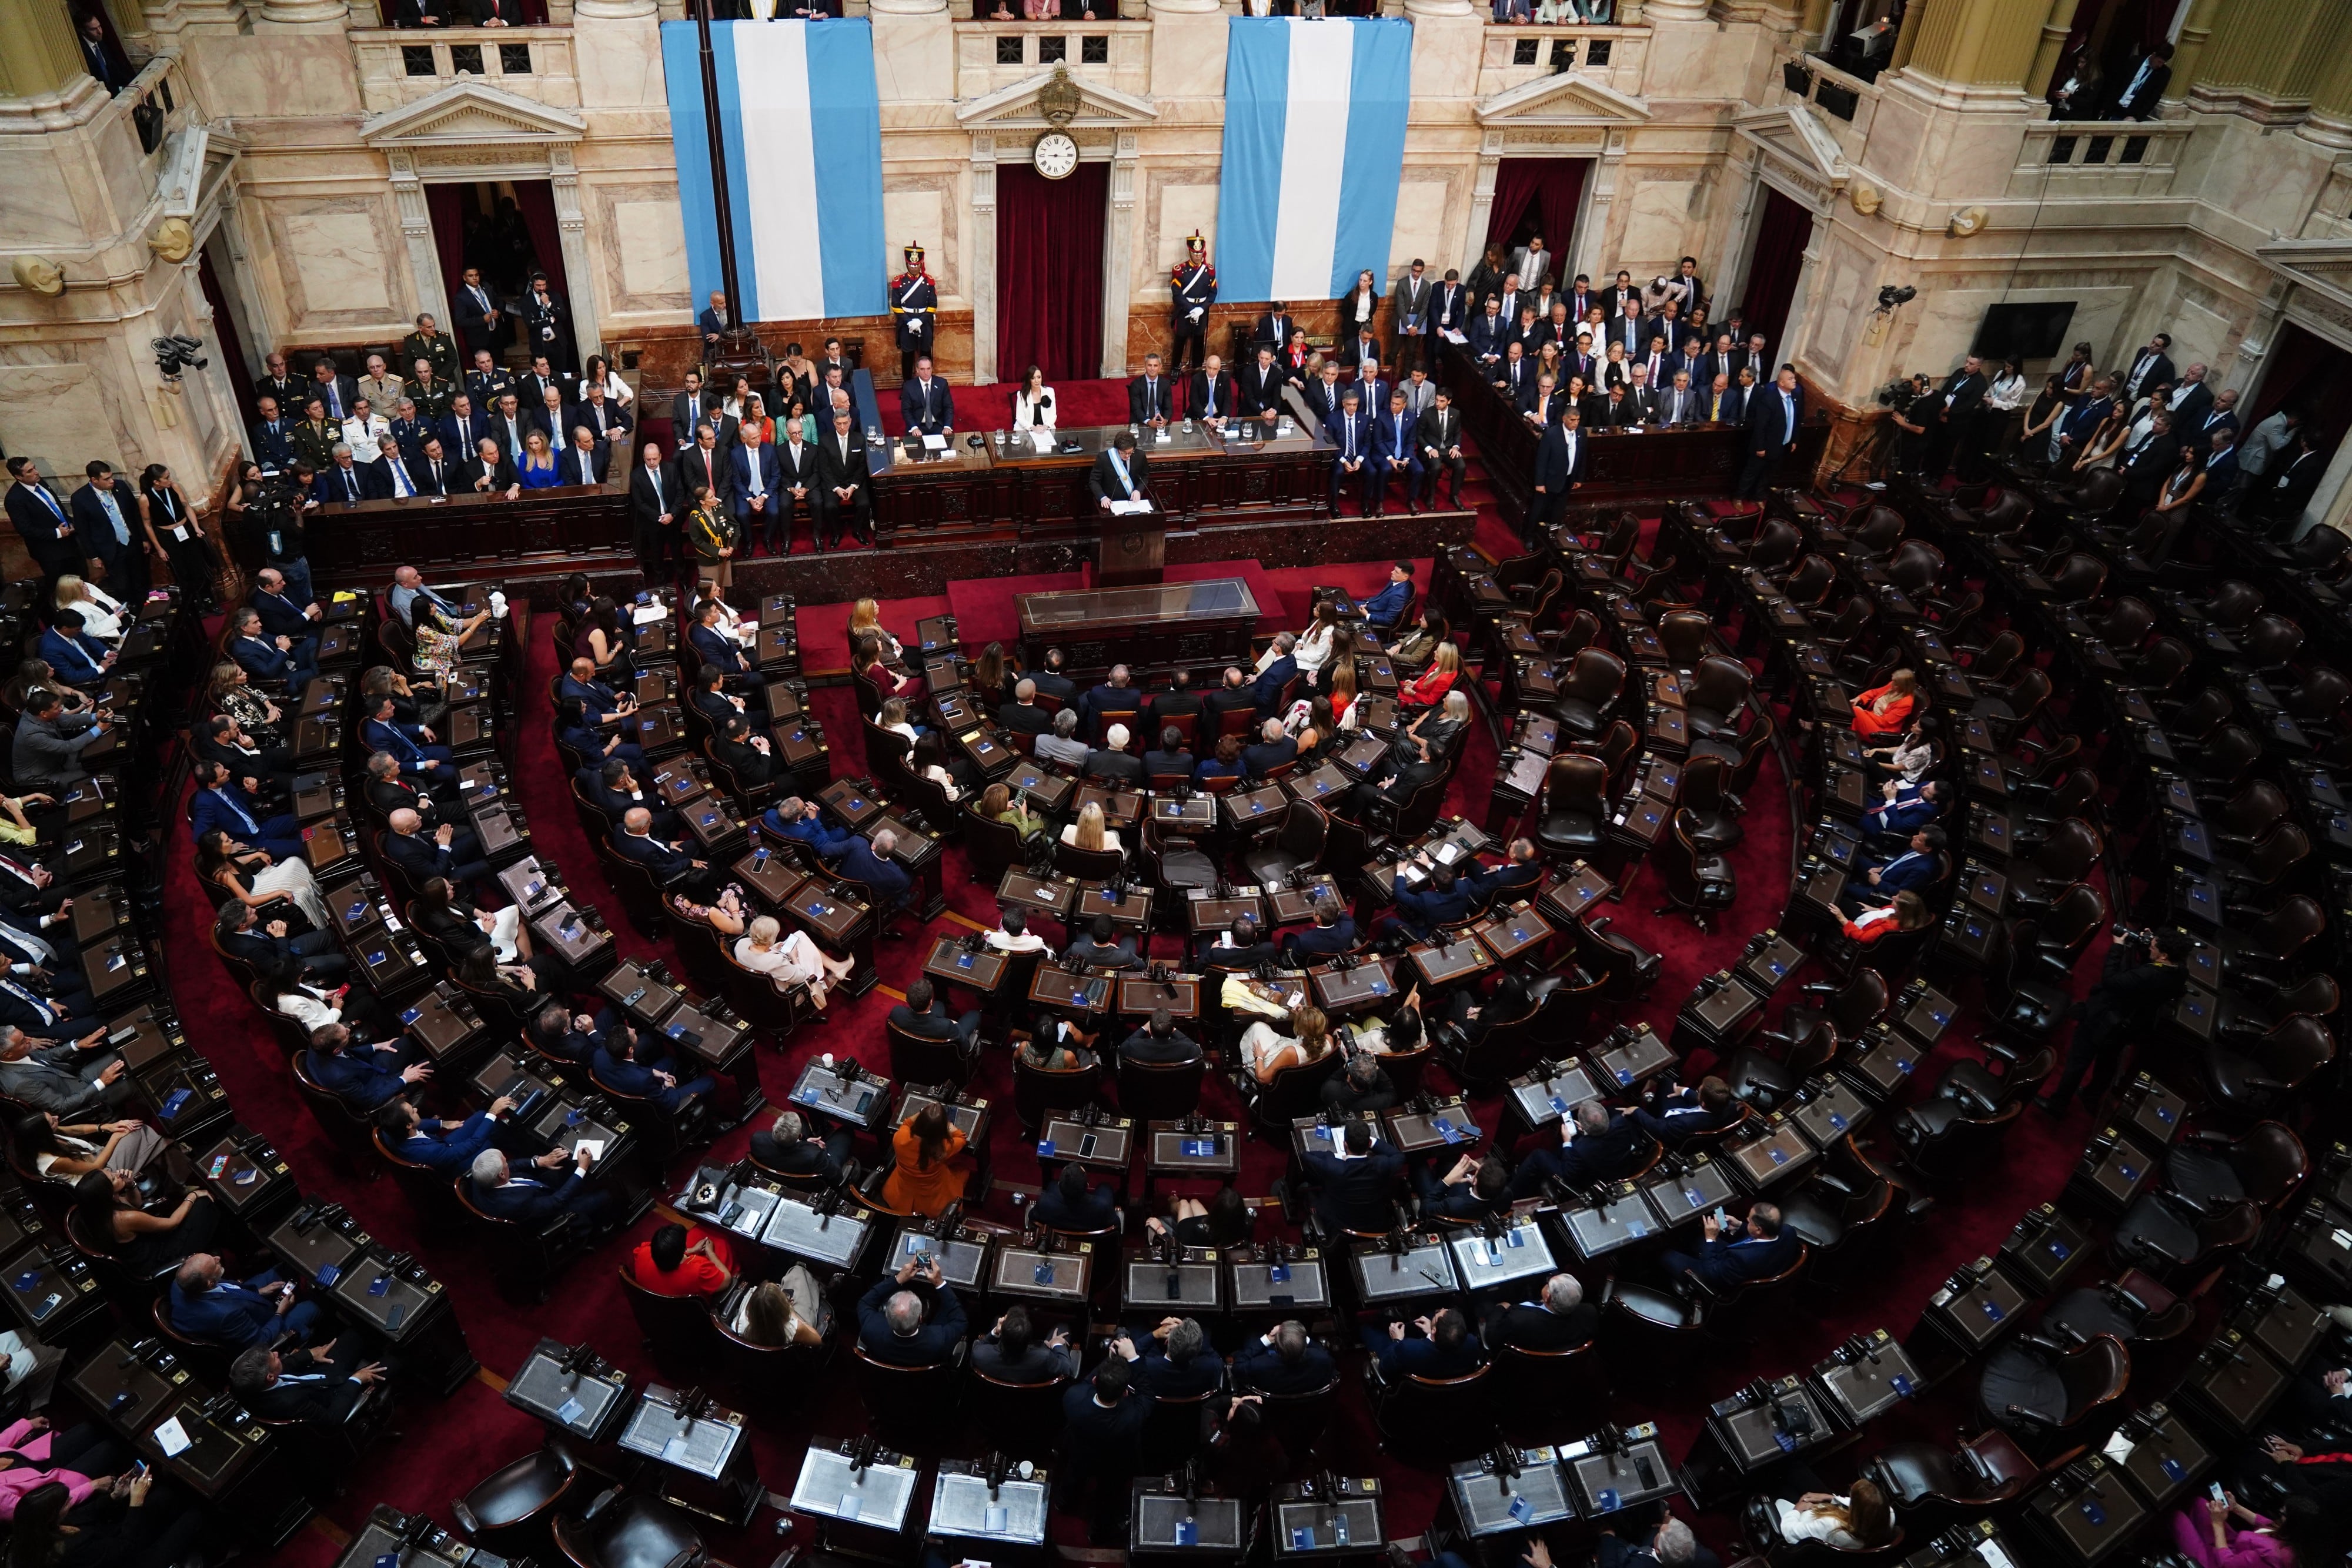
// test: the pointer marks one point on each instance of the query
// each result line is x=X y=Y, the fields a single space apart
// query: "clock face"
x=1054 y=155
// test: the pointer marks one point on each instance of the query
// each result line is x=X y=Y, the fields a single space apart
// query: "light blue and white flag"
x=802 y=124
x=1315 y=114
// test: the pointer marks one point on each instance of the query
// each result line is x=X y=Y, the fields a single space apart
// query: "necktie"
x=402 y=486
x=51 y=501
x=653 y=472
x=436 y=476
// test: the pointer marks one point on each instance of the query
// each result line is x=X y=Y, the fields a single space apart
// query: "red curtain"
x=1049 y=272
x=228 y=343
x=1772 y=269
x=1550 y=187
x=445 y=205
x=2313 y=375
x=536 y=200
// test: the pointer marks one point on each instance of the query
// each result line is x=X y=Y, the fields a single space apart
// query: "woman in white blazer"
x=1033 y=405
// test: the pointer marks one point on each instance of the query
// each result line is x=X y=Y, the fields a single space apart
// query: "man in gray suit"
x=68 y=1077
x=1409 y=305
x=51 y=741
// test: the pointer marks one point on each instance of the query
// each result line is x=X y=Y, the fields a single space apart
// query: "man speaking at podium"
x=1119 y=474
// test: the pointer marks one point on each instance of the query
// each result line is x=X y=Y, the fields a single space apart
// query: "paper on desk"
x=1449 y=852
x=2118 y=1447
x=646 y=614
x=1128 y=508
x=1042 y=440
x=172 y=1439
x=594 y=1147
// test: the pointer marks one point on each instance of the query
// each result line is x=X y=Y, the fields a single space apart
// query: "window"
x=1523 y=51
x=416 y=60
x=1563 y=55
x=1095 y=49
x=514 y=59
x=1008 y=48
x=466 y=59
x=1596 y=51
x=1053 y=46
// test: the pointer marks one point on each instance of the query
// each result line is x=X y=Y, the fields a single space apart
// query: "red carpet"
x=448 y=1445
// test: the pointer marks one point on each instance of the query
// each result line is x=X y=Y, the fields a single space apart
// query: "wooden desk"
x=1141 y=996
x=1158 y=624
x=951 y=963
x=474 y=539
x=1209 y=914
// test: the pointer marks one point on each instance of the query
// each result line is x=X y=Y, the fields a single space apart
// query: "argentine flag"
x=1315 y=114
x=803 y=128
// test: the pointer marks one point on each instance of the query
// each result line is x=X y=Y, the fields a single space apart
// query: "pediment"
x=1026 y=104
x=2323 y=267
x=1564 y=100
x=469 y=113
x=1800 y=143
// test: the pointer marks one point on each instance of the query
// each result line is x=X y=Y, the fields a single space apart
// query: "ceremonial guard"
x=915 y=309
x=1193 y=283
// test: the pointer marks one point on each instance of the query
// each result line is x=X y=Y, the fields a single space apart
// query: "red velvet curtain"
x=1772 y=269
x=536 y=200
x=228 y=343
x=445 y=205
x=2313 y=375
x=1049 y=272
x=1550 y=187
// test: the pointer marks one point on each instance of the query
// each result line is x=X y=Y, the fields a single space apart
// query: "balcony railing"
x=993 y=54
x=1847 y=102
x=1515 y=54
x=2102 y=158
x=401 y=65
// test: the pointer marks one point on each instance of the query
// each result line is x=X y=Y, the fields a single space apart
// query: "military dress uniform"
x=1193 y=286
x=915 y=313
x=440 y=350
x=545 y=327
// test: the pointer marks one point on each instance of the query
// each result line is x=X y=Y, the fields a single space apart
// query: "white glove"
x=914 y=324
x=1196 y=313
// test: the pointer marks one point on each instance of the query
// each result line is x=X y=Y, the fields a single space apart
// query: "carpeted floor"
x=446 y=1447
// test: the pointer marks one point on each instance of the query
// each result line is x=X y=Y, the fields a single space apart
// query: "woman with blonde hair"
x=780 y=1312
x=1429 y=689
x=791 y=959
x=232 y=693
x=1856 y=1522
x=1267 y=1052
x=1088 y=831
x=866 y=621
x=101 y=612
x=1886 y=710
x=537 y=466
x=1343 y=693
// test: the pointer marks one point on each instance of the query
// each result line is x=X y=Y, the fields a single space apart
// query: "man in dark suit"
x=890 y=1319
x=654 y=498
x=107 y=521
x=1357 y=1183
x=869 y=862
x=1323 y=393
x=1277 y=674
x=1072 y=1203
x=1951 y=414
x=608 y=420
x=1160 y=1041
x=1012 y=1351
x=1420 y=911
x=1596 y=1145
x=1179 y=701
x=337 y=392
x=388 y=792
x=1352 y=433
x=1122 y=474
x=1396 y=456
x=533 y=1196
x=230 y=1315
x=1273 y=329
x=1675 y=1118
x=269 y=950
x=1756 y=1249
x=1099 y=946
x=463 y=427
x=1111 y=761
x=1050 y=680
x=1334 y=931
x=1275 y=747
x=714 y=320
x=1285 y=1360
x=2150 y=368
x=317 y=1390
x=1773 y=416
x=1560 y=465
x=286 y=389
x=1522 y=869
x=785 y=1146
x=362 y=1076
x=1260 y=385
x=1208 y=395
x=1115 y=695
x=584 y=462
x=1560 y=1319
x=490 y=473
x=423 y=857
x=1911 y=869
x=2190 y=402
x=1151 y=396
x=2221 y=464
x=703 y=460
x=1241 y=947
x=925 y=403
x=1022 y=714
x=1170 y=756
x=2144 y=89
x=46 y=525
x=686 y=408
x=844 y=485
x=797 y=484
x=755 y=477
x=1444 y=1346
x=1438 y=434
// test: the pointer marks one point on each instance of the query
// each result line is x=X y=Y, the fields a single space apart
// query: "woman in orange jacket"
x=923 y=1182
x=1884 y=710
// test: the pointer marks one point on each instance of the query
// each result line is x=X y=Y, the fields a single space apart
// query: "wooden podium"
x=1134 y=549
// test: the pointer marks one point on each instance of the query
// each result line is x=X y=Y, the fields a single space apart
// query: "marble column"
x=1159 y=8
x=1907 y=34
x=2329 y=123
x=1658 y=11
x=1982 y=43
x=39 y=52
x=2271 y=56
x=579 y=265
x=310 y=16
x=979 y=257
x=1118 y=255
x=1482 y=202
x=416 y=234
x=1802 y=302
x=1730 y=268
x=1595 y=245
x=1424 y=9
x=2053 y=44
x=617 y=49
x=2189 y=49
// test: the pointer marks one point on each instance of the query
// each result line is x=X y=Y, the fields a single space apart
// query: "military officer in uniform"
x=544 y=323
x=432 y=345
x=1194 y=285
x=914 y=311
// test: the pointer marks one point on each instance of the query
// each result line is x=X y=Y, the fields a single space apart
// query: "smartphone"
x=1086 y=1147
x=2216 y=1493
x=1721 y=1221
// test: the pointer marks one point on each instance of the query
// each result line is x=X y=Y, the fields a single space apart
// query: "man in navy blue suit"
x=1773 y=416
x=1910 y=870
x=872 y=864
x=669 y=865
x=1285 y=1360
x=1522 y=869
x=1072 y=1203
x=925 y=403
x=534 y=1196
x=1351 y=432
x=795 y=818
x=1904 y=808
x=364 y=1077
x=1733 y=1255
x=220 y=803
x=79 y=659
x=1443 y=1347
x=1334 y=931
x=718 y=650
x=1278 y=673
x=106 y=520
x=624 y=1065
x=890 y=1317
x=1396 y=456
x=760 y=511
x=237 y=1316
x=1356 y=1183
x=1561 y=463
x=279 y=659
x=1420 y=911
x=414 y=745
x=1597 y=1145
x=445 y=1149
x=1384 y=609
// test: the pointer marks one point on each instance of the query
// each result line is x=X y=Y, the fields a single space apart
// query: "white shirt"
x=1028 y=413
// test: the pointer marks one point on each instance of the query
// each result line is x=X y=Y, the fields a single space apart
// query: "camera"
x=177 y=353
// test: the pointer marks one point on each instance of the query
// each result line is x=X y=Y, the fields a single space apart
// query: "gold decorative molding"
x=1865 y=199
x=1967 y=223
x=172 y=239
x=39 y=275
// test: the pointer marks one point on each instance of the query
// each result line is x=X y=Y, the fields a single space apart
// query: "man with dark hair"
x=317 y=1387
x=2140 y=983
x=923 y=1015
x=1050 y=680
x=1159 y=1041
x=1011 y=1352
x=1472 y=1189
x=1072 y=1203
x=1101 y=948
x=1171 y=757
x=624 y=1065
x=1242 y=946
x=1383 y=608
x=1334 y=932
x=272 y=952
x=364 y=1077
x=1912 y=870
x=1102 y=1431
x=1420 y=911
x=1443 y=1347
x=1356 y=1179
x=670 y=1262
x=1285 y=1360
x=445 y=1147
x=1673 y=1118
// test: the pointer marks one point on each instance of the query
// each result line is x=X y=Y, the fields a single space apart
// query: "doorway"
x=1774 y=264
x=2312 y=376
x=1538 y=196
x=506 y=229
x=1049 y=271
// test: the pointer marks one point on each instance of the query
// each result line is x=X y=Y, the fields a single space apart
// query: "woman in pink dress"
x=2297 y=1539
x=26 y=1461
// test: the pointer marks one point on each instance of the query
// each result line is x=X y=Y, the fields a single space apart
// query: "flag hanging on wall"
x=1290 y=224
x=802 y=124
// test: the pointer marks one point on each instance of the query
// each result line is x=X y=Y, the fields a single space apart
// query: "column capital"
x=1436 y=8
x=906 y=7
x=614 y=10
x=1190 y=8
x=313 y=14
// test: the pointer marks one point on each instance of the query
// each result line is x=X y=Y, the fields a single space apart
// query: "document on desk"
x=593 y=1147
x=1043 y=439
x=1129 y=507
x=935 y=444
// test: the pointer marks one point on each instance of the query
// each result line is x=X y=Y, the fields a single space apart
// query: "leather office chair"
x=524 y=1257
x=2264 y=950
x=1697 y=884
x=1982 y=1472
x=512 y=1511
x=1718 y=698
x=1652 y=1337
x=1546 y=1381
x=1559 y=1008
x=1298 y=847
x=2079 y=578
x=1293 y=1091
x=2041 y=1393
x=2066 y=856
x=1705 y=796
x=1687 y=636
x=918 y=1059
x=2263 y=1166
x=1809 y=586
x=1622 y=968
x=1159 y=1090
x=1575 y=805
x=1997 y=660
x=1619 y=749
x=1760 y=1079
x=2168 y=1237
x=353 y=1134
x=1947 y=1134
x=1595 y=684
x=1020 y=1418
x=908 y=1404
x=619 y=1531
x=2270 y=1072
x=2135 y=1308
x=2030 y=970
x=674 y=1329
x=1039 y=1091
x=1439 y=1419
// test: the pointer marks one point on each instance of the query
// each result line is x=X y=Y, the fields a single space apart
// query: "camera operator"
x=2142 y=978
x=1911 y=446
